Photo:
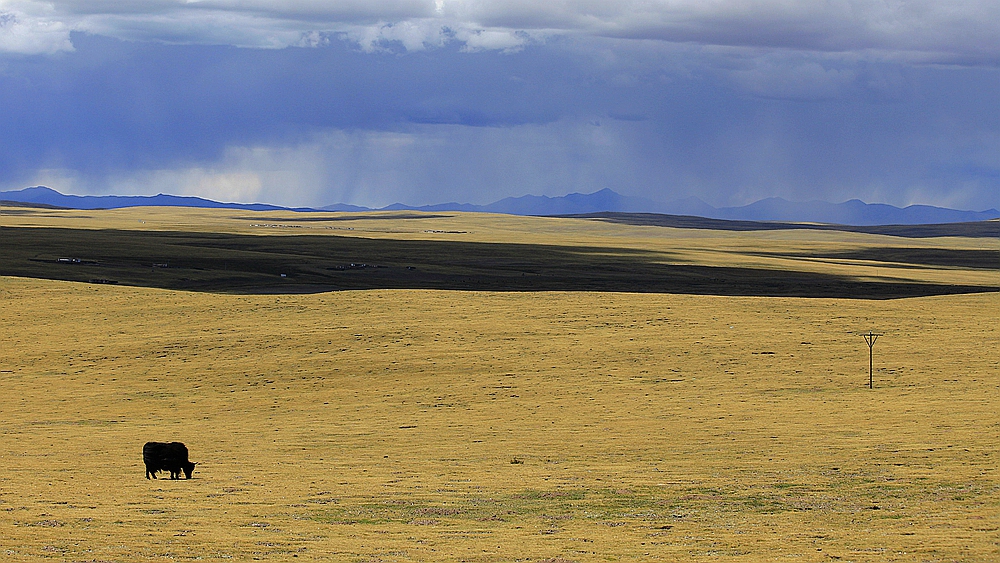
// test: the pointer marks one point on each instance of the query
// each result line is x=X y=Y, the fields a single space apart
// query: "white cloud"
x=414 y=35
x=31 y=32
x=220 y=184
x=963 y=32
x=492 y=39
x=286 y=175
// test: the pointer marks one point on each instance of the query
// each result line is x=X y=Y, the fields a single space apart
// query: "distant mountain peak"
x=48 y=196
x=775 y=209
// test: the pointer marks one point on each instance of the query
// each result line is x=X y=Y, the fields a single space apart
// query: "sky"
x=372 y=102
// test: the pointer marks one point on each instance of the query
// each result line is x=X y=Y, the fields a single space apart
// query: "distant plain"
x=493 y=388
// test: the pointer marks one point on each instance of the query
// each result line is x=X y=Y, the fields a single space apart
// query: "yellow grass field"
x=419 y=425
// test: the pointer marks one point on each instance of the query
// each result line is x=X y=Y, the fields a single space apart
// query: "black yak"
x=163 y=456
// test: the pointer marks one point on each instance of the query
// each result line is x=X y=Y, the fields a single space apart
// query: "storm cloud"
x=310 y=103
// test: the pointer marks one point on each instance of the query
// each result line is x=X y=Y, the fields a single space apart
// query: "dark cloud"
x=112 y=103
x=312 y=126
x=917 y=30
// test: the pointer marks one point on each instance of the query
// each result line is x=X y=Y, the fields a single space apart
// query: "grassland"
x=310 y=252
x=415 y=424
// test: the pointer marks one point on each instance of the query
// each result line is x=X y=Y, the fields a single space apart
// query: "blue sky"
x=310 y=102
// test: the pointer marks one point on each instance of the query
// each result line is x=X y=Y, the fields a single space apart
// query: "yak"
x=167 y=456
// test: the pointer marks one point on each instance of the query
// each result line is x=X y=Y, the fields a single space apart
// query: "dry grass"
x=385 y=425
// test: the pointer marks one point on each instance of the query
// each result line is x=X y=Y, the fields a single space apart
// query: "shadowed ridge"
x=232 y=263
x=27 y=204
x=975 y=229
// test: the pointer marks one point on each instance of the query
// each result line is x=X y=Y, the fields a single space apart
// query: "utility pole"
x=870 y=338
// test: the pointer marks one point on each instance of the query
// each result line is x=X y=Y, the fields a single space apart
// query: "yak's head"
x=188 y=468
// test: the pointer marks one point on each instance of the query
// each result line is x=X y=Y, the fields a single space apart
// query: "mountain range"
x=853 y=212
